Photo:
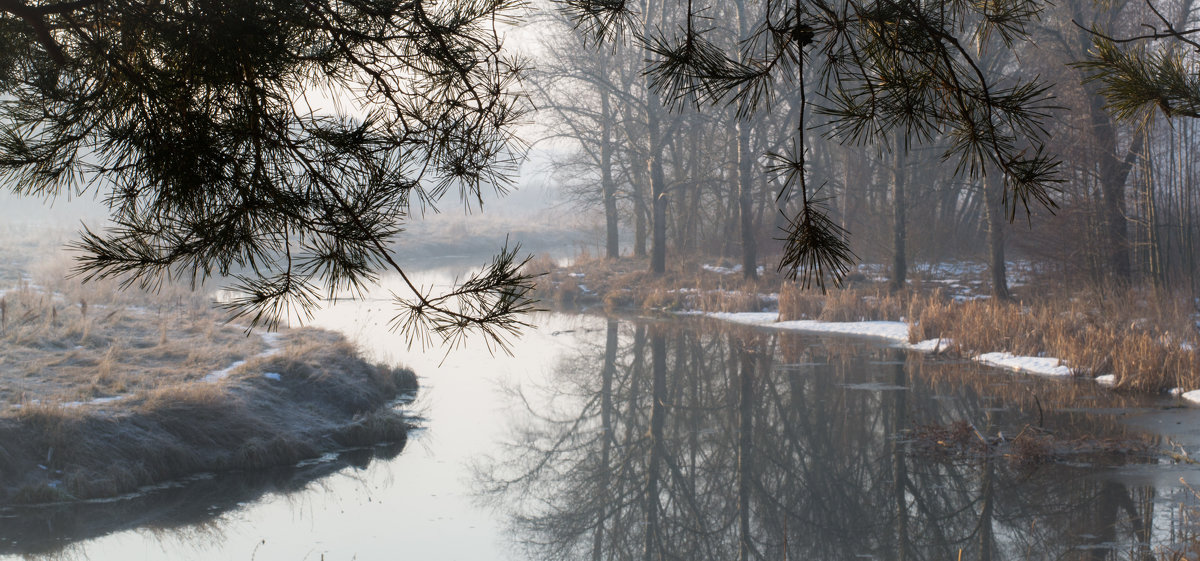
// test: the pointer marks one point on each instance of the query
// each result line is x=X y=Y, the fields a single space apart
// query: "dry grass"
x=326 y=397
x=863 y=303
x=627 y=284
x=103 y=390
x=1146 y=340
x=61 y=340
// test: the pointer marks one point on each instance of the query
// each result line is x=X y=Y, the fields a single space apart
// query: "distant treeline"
x=1126 y=209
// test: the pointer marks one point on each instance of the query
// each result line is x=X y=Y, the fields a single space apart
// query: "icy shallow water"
x=550 y=450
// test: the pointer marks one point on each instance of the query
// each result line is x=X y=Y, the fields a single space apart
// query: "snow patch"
x=931 y=345
x=747 y=318
x=273 y=347
x=1192 y=396
x=728 y=270
x=1045 y=366
x=1107 y=380
x=97 y=401
x=893 y=330
x=218 y=375
x=272 y=376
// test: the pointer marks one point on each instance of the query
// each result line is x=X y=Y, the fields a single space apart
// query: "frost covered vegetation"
x=103 y=391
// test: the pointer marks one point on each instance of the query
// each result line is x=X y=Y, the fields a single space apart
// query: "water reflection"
x=194 y=506
x=669 y=442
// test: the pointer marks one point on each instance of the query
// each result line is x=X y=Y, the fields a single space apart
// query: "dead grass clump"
x=868 y=303
x=863 y=305
x=316 y=395
x=1146 y=340
x=796 y=303
x=541 y=264
x=746 y=299
x=626 y=283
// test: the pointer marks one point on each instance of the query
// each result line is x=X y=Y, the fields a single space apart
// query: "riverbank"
x=106 y=390
x=314 y=395
x=1129 y=339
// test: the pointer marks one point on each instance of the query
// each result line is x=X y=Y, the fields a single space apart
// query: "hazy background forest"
x=1126 y=207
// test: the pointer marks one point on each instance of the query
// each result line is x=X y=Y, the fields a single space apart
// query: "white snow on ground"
x=898 y=331
x=727 y=270
x=931 y=345
x=272 y=342
x=1032 y=364
x=97 y=401
x=892 y=330
x=747 y=318
x=218 y=375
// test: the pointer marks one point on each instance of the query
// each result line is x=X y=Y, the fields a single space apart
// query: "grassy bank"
x=104 y=390
x=317 y=394
x=1146 y=339
x=626 y=284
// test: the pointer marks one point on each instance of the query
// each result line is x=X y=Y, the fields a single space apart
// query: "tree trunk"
x=994 y=213
x=658 y=197
x=745 y=175
x=612 y=248
x=899 y=175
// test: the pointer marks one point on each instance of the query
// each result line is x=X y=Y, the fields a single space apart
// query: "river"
x=683 y=438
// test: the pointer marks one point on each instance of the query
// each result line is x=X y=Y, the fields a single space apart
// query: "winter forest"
x=600 y=279
x=1121 y=209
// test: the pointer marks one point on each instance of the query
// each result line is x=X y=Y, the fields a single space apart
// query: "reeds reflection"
x=691 y=440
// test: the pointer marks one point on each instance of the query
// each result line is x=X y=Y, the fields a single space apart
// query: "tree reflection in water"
x=695 y=441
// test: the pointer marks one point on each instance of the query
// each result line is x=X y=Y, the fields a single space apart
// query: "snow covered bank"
x=897 y=332
x=891 y=330
x=1032 y=364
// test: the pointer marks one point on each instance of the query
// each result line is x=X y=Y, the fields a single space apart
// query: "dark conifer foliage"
x=1143 y=73
x=872 y=67
x=283 y=143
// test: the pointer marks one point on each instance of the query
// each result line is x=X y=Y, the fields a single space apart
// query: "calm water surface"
x=614 y=439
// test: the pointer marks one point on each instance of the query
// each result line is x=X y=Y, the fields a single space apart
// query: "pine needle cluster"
x=279 y=143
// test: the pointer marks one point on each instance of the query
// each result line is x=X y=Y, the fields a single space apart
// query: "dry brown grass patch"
x=1146 y=340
